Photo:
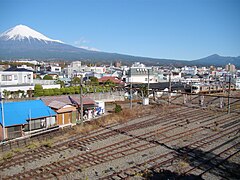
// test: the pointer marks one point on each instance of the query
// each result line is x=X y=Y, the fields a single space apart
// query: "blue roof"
x=18 y=112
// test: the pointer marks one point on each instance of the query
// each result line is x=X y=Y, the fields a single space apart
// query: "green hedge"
x=39 y=91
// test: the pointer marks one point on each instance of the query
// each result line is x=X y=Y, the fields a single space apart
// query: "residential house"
x=68 y=107
x=115 y=80
x=24 y=117
x=66 y=113
x=16 y=79
x=141 y=75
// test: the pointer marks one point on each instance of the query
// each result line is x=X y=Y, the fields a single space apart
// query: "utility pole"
x=191 y=92
x=148 y=84
x=3 y=121
x=170 y=88
x=81 y=102
x=131 y=94
x=229 y=89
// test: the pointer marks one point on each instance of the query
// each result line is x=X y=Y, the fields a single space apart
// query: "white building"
x=73 y=68
x=76 y=69
x=16 y=78
x=141 y=74
x=56 y=69
x=25 y=67
x=237 y=82
x=189 y=70
x=14 y=81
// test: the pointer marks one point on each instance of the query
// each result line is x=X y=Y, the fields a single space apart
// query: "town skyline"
x=156 y=29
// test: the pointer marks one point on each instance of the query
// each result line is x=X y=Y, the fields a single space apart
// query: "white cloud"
x=89 y=48
x=82 y=43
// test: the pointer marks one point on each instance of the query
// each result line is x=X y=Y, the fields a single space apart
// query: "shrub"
x=118 y=108
x=57 y=91
x=46 y=92
x=72 y=90
x=47 y=77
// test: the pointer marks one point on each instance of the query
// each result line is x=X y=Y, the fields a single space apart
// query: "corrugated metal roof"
x=57 y=104
x=65 y=99
x=18 y=112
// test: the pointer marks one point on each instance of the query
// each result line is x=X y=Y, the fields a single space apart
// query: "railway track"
x=168 y=158
x=83 y=141
x=132 y=144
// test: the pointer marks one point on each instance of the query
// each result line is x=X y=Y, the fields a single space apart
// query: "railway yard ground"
x=147 y=142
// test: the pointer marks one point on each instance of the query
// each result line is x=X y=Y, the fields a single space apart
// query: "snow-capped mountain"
x=22 y=33
x=24 y=42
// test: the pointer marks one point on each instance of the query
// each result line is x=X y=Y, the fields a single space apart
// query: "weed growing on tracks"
x=33 y=145
x=17 y=150
x=181 y=167
x=47 y=143
x=7 y=155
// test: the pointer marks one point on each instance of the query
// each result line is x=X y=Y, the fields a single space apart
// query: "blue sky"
x=177 y=29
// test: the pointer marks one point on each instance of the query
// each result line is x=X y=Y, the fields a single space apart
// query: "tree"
x=6 y=94
x=94 y=81
x=76 y=81
x=47 y=77
x=144 y=90
x=38 y=90
x=62 y=84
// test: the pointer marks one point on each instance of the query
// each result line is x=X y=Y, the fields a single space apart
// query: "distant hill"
x=22 y=42
x=217 y=60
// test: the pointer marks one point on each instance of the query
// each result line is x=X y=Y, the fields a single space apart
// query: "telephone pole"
x=148 y=84
x=131 y=94
x=81 y=102
x=229 y=89
x=2 y=111
x=170 y=88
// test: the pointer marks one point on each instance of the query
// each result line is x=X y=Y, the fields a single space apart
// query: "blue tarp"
x=18 y=112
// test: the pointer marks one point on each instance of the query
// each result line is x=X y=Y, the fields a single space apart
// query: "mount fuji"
x=26 y=43
x=22 y=42
x=24 y=33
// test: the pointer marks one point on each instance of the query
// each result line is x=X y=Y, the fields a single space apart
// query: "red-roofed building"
x=110 y=78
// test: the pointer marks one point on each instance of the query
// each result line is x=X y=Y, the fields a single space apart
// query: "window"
x=14 y=132
x=146 y=79
x=6 y=77
x=15 y=77
x=36 y=124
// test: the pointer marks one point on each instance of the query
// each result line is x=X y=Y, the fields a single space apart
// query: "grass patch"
x=47 y=143
x=33 y=145
x=7 y=155
x=17 y=150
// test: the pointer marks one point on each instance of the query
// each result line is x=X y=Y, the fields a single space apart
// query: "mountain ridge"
x=26 y=43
